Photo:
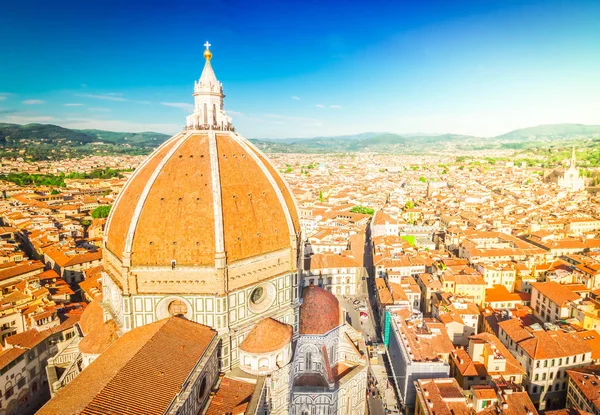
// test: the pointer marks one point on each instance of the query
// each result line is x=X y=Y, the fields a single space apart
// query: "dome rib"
x=140 y=204
x=271 y=179
x=216 y=188
x=117 y=247
x=137 y=171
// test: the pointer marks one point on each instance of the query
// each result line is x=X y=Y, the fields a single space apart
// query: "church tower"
x=571 y=180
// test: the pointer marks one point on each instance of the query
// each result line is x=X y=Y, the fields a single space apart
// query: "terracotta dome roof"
x=97 y=335
x=267 y=336
x=199 y=194
x=319 y=312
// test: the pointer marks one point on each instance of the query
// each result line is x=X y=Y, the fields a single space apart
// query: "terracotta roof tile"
x=232 y=398
x=98 y=334
x=267 y=336
x=320 y=311
x=140 y=374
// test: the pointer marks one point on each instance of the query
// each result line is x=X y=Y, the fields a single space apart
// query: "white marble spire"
x=208 y=100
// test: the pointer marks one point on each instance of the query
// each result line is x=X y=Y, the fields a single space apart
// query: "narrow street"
x=375 y=406
x=371 y=332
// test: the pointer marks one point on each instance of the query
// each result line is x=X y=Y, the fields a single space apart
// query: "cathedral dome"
x=205 y=228
x=201 y=196
x=319 y=312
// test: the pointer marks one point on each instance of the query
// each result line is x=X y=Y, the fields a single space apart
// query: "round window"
x=201 y=390
x=177 y=308
x=258 y=295
x=262 y=297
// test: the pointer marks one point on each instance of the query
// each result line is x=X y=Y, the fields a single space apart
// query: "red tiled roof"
x=557 y=293
x=12 y=269
x=232 y=398
x=98 y=334
x=140 y=374
x=542 y=344
x=267 y=336
x=8 y=355
x=319 y=312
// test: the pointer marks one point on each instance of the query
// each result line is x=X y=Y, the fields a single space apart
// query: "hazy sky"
x=305 y=68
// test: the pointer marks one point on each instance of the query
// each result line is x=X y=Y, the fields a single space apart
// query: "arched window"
x=205 y=114
x=214 y=114
x=308 y=361
x=263 y=363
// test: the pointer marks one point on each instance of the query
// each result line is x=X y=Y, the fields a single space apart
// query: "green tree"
x=101 y=212
x=423 y=179
x=362 y=209
x=409 y=205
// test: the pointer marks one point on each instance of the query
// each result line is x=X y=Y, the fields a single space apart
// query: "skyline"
x=478 y=68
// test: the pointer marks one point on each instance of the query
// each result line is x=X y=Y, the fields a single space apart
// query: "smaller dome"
x=267 y=336
x=319 y=312
x=97 y=334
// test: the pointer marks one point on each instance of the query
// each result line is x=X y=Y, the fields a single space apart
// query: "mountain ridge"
x=49 y=141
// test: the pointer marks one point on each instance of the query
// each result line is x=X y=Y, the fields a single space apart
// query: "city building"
x=584 y=389
x=545 y=354
x=417 y=350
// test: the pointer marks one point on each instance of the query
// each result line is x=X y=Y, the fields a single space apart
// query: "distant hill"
x=47 y=141
x=374 y=142
x=532 y=137
x=13 y=133
x=149 y=139
x=552 y=132
x=361 y=136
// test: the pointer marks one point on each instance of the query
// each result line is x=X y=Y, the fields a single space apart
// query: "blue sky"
x=306 y=68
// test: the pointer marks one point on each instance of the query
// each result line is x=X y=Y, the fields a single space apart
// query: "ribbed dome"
x=267 y=336
x=199 y=195
x=319 y=312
